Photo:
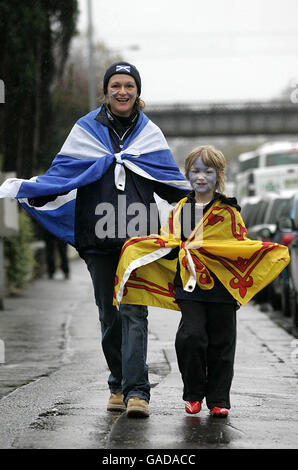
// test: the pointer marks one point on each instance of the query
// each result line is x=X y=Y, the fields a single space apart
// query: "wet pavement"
x=53 y=390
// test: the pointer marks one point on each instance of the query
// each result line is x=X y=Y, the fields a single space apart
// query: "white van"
x=271 y=167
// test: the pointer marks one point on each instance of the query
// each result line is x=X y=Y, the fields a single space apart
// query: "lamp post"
x=92 y=94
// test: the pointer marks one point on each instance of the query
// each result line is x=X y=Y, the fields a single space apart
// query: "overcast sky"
x=202 y=50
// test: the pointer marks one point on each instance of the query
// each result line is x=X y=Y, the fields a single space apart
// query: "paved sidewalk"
x=53 y=383
x=264 y=396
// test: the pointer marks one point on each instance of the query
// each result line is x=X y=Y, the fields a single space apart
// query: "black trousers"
x=205 y=347
x=53 y=243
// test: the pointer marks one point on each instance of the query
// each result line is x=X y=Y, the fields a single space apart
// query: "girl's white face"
x=202 y=178
x=122 y=92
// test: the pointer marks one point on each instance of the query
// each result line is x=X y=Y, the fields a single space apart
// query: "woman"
x=106 y=175
x=202 y=264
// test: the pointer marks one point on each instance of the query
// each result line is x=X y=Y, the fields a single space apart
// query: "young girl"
x=203 y=265
x=206 y=337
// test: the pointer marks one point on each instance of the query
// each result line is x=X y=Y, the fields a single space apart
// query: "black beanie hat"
x=122 y=67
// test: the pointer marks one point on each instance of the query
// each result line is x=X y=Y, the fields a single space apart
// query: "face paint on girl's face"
x=202 y=178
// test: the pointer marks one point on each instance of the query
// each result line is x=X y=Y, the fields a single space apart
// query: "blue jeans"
x=124 y=331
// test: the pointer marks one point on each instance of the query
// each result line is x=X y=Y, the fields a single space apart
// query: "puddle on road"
x=67 y=425
x=209 y=431
x=176 y=432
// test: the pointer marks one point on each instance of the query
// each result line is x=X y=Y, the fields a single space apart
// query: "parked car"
x=261 y=216
x=264 y=225
x=249 y=210
x=283 y=232
x=293 y=281
x=288 y=226
x=264 y=215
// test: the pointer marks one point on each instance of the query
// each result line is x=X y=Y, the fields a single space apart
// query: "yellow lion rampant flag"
x=218 y=244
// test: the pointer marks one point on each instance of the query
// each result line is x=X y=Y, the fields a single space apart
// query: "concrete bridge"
x=226 y=119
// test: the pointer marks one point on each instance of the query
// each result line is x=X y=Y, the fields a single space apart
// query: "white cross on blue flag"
x=84 y=157
x=123 y=68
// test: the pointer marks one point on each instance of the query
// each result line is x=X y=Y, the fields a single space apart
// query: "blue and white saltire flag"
x=84 y=157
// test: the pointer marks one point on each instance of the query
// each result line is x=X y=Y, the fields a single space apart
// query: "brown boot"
x=136 y=407
x=116 y=402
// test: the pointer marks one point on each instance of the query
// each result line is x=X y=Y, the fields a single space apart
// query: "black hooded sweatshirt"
x=137 y=190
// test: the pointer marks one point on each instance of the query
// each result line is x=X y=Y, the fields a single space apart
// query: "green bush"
x=19 y=259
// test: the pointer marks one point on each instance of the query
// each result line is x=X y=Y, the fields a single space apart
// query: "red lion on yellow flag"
x=218 y=244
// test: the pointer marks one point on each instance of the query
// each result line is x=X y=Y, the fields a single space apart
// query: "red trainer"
x=193 y=407
x=219 y=412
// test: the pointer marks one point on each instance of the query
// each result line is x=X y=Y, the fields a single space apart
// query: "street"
x=53 y=389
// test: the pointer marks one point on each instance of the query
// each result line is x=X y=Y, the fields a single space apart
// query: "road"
x=53 y=390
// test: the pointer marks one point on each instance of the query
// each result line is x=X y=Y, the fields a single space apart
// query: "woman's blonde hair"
x=211 y=157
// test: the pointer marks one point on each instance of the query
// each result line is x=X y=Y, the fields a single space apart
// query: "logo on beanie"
x=121 y=68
